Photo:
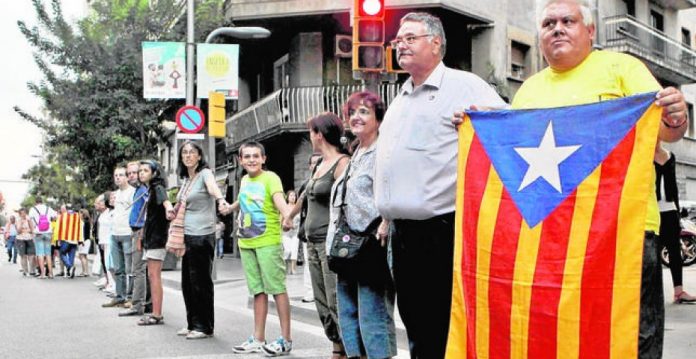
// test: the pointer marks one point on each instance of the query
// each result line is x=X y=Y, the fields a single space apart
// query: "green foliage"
x=57 y=183
x=94 y=114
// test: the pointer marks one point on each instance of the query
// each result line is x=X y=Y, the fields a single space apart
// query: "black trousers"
x=197 y=282
x=423 y=253
x=669 y=237
x=652 y=302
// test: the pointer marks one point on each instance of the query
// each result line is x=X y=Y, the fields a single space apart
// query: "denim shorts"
x=42 y=244
x=264 y=269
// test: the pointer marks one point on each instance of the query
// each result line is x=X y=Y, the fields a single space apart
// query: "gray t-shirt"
x=200 y=207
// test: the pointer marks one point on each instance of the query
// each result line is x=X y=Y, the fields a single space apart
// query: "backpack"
x=44 y=224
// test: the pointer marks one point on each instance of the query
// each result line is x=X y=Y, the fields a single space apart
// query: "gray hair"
x=585 y=10
x=432 y=24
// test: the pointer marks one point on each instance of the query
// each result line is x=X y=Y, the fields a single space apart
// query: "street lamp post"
x=246 y=32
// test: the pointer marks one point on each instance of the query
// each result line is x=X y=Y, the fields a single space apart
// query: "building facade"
x=304 y=67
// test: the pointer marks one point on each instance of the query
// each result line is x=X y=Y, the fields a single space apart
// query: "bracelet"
x=675 y=126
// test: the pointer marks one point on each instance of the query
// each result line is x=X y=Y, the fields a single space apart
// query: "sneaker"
x=251 y=345
x=183 y=332
x=101 y=282
x=277 y=348
x=194 y=334
x=308 y=299
x=113 y=303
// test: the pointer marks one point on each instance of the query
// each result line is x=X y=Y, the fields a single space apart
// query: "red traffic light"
x=371 y=8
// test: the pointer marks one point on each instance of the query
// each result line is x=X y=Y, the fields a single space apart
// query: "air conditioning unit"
x=344 y=46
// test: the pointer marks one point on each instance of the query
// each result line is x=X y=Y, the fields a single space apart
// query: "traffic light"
x=392 y=62
x=368 y=35
x=216 y=114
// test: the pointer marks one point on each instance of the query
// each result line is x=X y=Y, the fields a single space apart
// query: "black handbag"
x=353 y=254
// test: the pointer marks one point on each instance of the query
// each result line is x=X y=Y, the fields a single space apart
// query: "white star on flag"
x=544 y=160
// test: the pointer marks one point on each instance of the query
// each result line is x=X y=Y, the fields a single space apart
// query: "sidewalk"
x=680 y=326
x=229 y=270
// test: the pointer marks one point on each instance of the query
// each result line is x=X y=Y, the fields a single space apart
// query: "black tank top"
x=318 y=196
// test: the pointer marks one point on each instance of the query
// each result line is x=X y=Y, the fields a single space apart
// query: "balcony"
x=288 y=109
x=677 y=4
x=667 y=58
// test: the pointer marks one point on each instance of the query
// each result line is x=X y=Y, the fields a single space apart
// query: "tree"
x=94 y=115
x=57 y=183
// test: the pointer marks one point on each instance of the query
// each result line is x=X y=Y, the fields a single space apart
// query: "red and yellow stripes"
x=560 y=289
x=69 y=227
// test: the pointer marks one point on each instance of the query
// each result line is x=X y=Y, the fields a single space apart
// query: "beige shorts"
x=155 y=254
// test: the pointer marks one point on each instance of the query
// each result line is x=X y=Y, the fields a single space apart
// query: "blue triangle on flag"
x=590 y=132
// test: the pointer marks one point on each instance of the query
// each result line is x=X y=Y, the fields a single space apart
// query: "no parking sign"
x=190 y=119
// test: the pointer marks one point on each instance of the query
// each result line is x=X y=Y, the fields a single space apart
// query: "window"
x=657 y=23
x=519 y=62
x=281 y=73
x=629 y=7
x=686 y=37
x=691 y=132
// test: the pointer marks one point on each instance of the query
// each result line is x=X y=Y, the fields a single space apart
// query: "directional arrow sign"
x=190 y=119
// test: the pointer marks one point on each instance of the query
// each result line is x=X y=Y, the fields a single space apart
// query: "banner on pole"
x=164 y=70
x=218 y=70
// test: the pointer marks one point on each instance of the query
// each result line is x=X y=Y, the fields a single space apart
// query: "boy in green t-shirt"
x=261 y=202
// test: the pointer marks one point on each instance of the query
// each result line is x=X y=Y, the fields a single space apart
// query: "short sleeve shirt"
x=200 y=207
x=156 y=224
x=38 y=210
x=258 y=222
x=416 y=164
x=603 y=75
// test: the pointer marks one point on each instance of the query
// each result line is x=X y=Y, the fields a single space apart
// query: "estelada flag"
x=551 y=212
x=69 y=227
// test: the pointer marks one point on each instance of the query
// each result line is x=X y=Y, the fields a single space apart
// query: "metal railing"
x=293 y=106
x=625 y=33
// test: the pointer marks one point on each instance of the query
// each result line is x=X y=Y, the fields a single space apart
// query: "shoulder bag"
x=175 y=238
x=356 y=255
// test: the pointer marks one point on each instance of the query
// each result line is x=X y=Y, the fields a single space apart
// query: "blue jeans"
x=219 y=248
x=121 y=251
x=67 y=254
x=366 y=318
x=11 y=250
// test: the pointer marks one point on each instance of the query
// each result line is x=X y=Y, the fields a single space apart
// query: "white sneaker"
x=251 y=345
x=277 y=348
x=100 y=282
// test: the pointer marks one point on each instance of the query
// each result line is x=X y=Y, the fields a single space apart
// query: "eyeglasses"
x=408 y=39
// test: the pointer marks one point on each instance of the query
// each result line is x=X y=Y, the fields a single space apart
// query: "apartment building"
x=304 y=67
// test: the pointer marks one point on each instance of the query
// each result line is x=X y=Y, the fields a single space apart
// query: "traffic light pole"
x=371 y=81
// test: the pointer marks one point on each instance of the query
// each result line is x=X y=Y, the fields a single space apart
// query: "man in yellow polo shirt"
x=578 y=75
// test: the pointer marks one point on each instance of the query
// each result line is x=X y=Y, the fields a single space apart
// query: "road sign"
x=190 y=136
x=190 y=119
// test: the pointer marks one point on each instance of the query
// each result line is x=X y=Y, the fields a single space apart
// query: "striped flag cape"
x=69 y=227
x=551 y=209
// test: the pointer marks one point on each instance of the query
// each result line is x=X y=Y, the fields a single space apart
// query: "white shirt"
x=105 y=222
x=416 y=164
x=121 y=212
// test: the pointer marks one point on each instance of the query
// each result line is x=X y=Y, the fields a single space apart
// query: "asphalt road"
x=63 y=318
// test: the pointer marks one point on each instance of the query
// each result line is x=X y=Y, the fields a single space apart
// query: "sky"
x=20 y=141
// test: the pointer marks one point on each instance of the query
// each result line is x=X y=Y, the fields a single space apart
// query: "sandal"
x=151 y=320
x=684 y=297
x=338 y=354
